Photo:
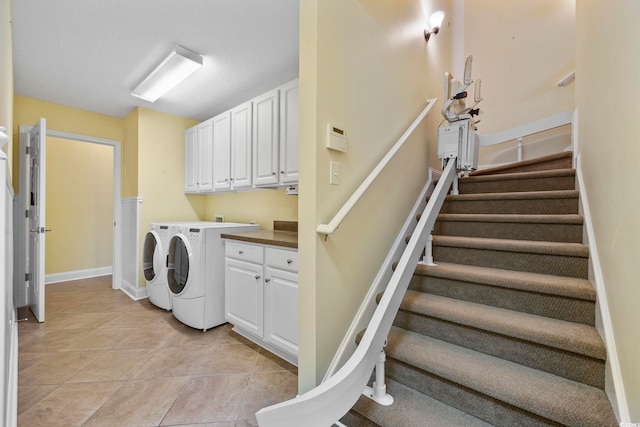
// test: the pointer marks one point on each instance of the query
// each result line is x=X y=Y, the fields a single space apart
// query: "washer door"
x=180 y=257
x=152 y=256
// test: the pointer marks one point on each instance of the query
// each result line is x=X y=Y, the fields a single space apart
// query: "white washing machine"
x=195 y=272
x=154 y=260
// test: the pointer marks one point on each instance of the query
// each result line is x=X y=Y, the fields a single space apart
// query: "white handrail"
x=537 y=126
x=333 y=225
x=563 y=82
x=328 y=402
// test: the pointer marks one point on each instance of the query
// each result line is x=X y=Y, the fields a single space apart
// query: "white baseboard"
x=134 y=292
x=77 y=275
x=614 y=386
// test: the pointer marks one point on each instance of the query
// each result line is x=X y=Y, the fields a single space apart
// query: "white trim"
x=134 y=293
x=333 y=225
x=131 y=240
x=117 y=205
x=77 y=275
x=527 y=129
x=615 y=392
x=368 y=306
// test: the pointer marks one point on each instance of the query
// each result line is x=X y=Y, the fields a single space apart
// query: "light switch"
x=334 y=173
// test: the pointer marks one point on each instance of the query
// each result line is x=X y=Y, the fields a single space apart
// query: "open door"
x=32 y=199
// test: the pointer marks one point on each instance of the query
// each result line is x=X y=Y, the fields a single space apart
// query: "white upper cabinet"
x=198 y=158
x=190 y=168
x=252 y=145
x=266 y=139
x=241 y=124
x=222 y=151
x=289 y=113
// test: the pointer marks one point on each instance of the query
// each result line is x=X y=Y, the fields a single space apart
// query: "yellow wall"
x=261 y=207
x=161 y=172
x=61 y=118
x=364 y=66
x=6 y=76
x=520 y=50
x=79 y=206
x=608 y=42
x=130 y=156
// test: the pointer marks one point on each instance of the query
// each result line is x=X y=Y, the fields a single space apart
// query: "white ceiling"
x=89 y=54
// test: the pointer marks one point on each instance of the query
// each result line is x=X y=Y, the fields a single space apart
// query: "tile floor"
x=102 y=359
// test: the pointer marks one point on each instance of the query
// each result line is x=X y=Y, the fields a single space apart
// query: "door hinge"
x=26 y=213
x=26 y=150
x=27 y=277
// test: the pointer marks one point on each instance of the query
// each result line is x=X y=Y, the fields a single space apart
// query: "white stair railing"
x=333 y=225
x=331 y=400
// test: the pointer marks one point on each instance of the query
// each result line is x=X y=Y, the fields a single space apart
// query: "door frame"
x=116 y=280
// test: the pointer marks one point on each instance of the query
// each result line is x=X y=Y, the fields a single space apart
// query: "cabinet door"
x=265 y=139
x=289 y=133
x=190 y=165
x=241 y=146
x=205 y=156
x=244 y=295
x=222 y=151
x=281 y=309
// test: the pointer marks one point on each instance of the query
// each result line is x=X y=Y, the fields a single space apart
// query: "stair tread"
x=543 y=159
x=516 y=195
x=535 y=391
x=533 y=282
x=412 y=408
x=573 y=337
x=510 y=245
x=515 y=218
x=552 y=173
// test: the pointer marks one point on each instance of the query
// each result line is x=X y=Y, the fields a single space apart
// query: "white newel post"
x=519 y=149
x=428 y=251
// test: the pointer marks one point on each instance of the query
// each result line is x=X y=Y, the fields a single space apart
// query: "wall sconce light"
x=435 y=20
x=176 y=67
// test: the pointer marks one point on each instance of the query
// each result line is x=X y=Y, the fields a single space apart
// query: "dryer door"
x=180 y=259
x=152 y=256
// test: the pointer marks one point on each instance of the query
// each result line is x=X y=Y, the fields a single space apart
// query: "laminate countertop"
x=287 y=239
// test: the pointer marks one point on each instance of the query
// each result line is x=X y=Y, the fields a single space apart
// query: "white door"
x=266 y=139
x=32 y=192
x=221 y=151
x=289 y=105
x=241 y=146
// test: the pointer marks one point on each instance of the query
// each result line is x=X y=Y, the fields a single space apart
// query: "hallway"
x=102 y=359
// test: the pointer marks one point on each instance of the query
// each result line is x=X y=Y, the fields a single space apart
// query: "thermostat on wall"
x=336 y=138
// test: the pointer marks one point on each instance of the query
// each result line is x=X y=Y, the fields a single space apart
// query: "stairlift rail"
x=332 y=226
x=331 y=400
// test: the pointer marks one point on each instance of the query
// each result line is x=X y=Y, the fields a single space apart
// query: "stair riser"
x=564 y=163
x=474 y=403
x=553 y=306
x=500 y=206
x=558 y=362
x=568 y=266
x=471 y=186
x=353 y=419
x=565 y=233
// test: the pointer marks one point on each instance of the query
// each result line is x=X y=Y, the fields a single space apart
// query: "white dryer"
x=154 y=260
x=195 y=272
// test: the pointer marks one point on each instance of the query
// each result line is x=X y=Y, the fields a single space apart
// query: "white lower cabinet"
x=261 y=296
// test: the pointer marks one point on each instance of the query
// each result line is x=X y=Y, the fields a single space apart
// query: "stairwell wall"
x=607 y=61
x=364 y=67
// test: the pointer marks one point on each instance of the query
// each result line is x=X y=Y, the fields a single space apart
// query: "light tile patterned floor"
x=102 y=359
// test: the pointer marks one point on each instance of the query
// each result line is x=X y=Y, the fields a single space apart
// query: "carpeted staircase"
x=501 y=332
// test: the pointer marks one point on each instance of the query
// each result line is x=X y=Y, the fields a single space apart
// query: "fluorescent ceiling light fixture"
x=176 y=67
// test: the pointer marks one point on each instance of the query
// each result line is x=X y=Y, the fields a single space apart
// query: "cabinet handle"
x=282 y=172
x=240 y=252
x=267 y=280
x=273 y=173
x=289 y=261
x=257 y=277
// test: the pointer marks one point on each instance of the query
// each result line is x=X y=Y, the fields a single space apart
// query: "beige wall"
x=364 y=66
x=608 y=64
x=261 y=206
x=79 y=206
x=520 y=50
x=130 y=155
x=6 y=76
